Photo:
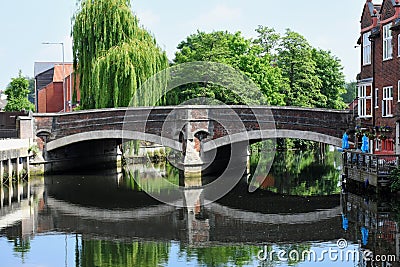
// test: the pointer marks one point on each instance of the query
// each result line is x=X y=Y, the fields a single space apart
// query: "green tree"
x=330 y=71
x=17 y=94
x=237 y=52
x=31 y=87
x=113 y=56
x=350 y=93
x=267 y=38
x=295 y=58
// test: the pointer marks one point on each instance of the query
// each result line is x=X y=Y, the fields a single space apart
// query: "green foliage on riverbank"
x=17 y=95
x=395 y=180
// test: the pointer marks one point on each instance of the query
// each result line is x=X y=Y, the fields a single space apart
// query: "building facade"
x=55 y=87
x=378 y=83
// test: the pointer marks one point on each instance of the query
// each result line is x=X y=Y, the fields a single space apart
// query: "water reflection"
x=107 y=220
x=372 y=221
x=302 y=173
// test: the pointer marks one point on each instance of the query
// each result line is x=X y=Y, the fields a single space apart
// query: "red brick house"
x=379 y=80
x=49 y=87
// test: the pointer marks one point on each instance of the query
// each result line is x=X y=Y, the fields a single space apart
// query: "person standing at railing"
x=365 y=144
x=345 y=141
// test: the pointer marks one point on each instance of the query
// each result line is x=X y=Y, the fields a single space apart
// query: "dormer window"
x=366 y=48
x=387 y=42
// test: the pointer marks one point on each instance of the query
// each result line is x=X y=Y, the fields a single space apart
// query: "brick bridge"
x=190 y=129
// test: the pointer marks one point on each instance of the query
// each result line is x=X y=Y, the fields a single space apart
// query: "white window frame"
x=376 y=97
x=398 y=91
x=387 y=101
x=398 y=45
x=378 y=145
x=363 y=100
x=387 y=42
x=366 y=48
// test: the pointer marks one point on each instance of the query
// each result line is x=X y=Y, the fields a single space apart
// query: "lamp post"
x=63 y=68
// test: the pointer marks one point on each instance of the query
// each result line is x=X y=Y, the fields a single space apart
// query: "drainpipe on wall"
x=36 y=97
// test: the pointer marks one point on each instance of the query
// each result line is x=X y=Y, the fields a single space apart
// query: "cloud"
x=219 y=14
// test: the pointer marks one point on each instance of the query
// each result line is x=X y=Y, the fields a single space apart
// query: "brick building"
x=379 y=80
x=49 y=87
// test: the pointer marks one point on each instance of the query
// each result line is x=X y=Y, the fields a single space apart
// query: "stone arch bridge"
x=192 y=130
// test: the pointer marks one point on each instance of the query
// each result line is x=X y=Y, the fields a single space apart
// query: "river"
x=299 y=217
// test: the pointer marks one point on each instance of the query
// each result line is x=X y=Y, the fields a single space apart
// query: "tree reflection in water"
x=120 y=254
x=302 y=173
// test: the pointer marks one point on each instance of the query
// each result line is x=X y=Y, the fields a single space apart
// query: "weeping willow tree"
x=113 y=55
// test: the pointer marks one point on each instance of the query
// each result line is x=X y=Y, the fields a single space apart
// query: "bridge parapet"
x=193 y=128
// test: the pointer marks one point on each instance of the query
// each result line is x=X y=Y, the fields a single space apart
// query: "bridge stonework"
x=191 y=129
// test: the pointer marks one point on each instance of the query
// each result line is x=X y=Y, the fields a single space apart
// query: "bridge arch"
x=270 y=134
x=297 y=218
x=112 y=134
x=246 y=216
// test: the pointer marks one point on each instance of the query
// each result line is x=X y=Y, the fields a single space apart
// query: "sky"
x=329 y=25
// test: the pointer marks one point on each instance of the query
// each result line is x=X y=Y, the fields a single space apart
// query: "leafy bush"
x=34 y=149
x=395 y=180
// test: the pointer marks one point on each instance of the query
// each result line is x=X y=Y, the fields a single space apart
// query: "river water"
x=300 y=217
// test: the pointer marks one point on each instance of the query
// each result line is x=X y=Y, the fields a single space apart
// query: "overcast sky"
x=330 y=25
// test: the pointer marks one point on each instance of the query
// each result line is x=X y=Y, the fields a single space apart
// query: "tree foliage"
x=267 y=38
x=233 y=50
x=17 y=94
x=297 y=64
x=112 y=54
x=330 y=71
x=287 y=69
x=350 y=93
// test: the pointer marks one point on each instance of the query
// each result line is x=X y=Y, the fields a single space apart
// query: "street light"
x=63 y=65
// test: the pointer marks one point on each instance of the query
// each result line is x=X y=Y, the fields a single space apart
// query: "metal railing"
x=379 y=164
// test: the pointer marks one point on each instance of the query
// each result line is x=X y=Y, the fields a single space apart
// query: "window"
x=376 y=98
x=366 y=48
x=378 y=144
x=365 y=100
x=398 y=91
x=387 y=101
x=398 y=45
x=387 y=42
x=386 y=145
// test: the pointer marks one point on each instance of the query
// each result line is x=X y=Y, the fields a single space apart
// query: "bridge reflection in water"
x=109 y=213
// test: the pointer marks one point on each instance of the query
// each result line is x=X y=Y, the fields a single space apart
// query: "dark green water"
x=107 y=219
